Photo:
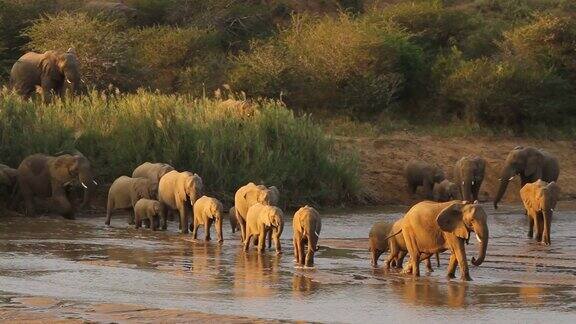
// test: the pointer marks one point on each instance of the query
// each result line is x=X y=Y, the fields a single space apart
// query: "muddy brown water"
x=83 y=261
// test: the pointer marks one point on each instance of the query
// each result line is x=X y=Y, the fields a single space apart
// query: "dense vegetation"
x=227 y=142
x=501 y=65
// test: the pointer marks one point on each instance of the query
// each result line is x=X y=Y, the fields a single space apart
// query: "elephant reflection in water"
x=431 y=293
x=256 y=275
x=532 y=295
x=303 y=286
x=206 y=260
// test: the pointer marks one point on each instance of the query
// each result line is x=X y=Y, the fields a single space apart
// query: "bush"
x=100 y=44
x=226 y=145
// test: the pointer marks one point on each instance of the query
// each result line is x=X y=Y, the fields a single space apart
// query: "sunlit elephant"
x=125 y=192
x=152 y=171
x=420 y=173
x=540 y=199
x=260 y=220
x=246 y=197
x=50 y=71
x=233 y=220
x=379 y=241
x=530 y=164
x=148 y=210
x=179 y=191
x=445 y=191
x=208 y=210
x=469 y=175
x=44 y=176
x=306 y=225
x=431 y=227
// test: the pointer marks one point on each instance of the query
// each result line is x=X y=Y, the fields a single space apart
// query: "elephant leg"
x=530 y=226
x=131 y=217
x=206 y=230
x=547 y=217
x=109 y=209
x=400 y=259
x=414 y=254
x=28 y=198
x=164 y=216
x=296 y=248
x=137 y=221
x=277 y=246
x=195 y=230
x=62 y=206
x=476 y=191
x=312 y=241
x=426 y=258
x=154 y=223
x=428 y=186
x=262 y=240
x=247 y=242
x=375 y=254
x=452 y=266
x=269 y=239
x=538 y=226
x=183 y=219
x=242 y=225
x=462 y=262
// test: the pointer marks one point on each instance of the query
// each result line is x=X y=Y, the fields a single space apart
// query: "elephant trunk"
x=89 y=184
x=505 y=177
x=467 y=190
x=482 y=234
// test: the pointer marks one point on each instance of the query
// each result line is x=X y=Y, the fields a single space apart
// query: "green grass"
x=227 y=147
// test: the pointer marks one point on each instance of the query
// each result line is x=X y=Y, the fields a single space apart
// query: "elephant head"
x=157 y=209
x=216 y=210
x=274 y=195
x=259 y=194
x=68 y=168
x=274 y=218
x=460 y=219
x=523 y=161
x=438 y=175
x=62 y=66
x=8 y=176
x=193 y=187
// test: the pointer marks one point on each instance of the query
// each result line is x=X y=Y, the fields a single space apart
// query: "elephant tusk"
x=478 y=238
x=512 y=177
x=462 y=182
x=68 y=81
x=472 y=182
x=552 y=209
x=83 y=185
x=317 y=234
x=94 y=181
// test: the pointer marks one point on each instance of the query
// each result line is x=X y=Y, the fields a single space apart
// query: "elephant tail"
x=391 y=236
x=437 y=260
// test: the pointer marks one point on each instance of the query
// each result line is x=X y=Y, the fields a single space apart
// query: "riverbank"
x=382 y=162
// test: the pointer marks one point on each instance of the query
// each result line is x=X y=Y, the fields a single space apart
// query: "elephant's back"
x=143 y=204
x=121 y=183
x=26 y=67
x=34 y=165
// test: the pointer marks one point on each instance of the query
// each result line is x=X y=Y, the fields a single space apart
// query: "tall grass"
x=227 y=145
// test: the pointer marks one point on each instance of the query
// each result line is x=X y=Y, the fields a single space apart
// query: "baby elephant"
x=208 y=210
x=540 y=199
x=378 y=244
x=420 y=173
x=125 y=192
x=148 y=209
x=445 y=191
x=260 y=220
x=307 y=225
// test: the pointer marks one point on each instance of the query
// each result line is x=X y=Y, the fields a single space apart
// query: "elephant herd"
x=432 y=227
x=156 y=191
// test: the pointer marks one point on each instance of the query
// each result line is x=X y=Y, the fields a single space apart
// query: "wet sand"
x=57 y=270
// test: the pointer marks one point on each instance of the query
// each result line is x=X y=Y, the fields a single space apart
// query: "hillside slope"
x=382 y=161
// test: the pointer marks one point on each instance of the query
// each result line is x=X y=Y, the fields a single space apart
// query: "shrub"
x=226 y=146
x=100 y=44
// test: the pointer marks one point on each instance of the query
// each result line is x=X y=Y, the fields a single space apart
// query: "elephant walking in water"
x=530 y=164
x=540 y=199
x=51 y=71
x=44 y=176
x=469 y=175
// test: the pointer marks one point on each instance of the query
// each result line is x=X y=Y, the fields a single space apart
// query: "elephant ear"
x=49 y=66
x=529 y=196
x=554 y=192
x=533 y=164
x=450 y=219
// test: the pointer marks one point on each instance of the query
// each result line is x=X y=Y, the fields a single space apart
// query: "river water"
x=83 y=261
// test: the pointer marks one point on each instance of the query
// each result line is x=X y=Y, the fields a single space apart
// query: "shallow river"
x=83 y=261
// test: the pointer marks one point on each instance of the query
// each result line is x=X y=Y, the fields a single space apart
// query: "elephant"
x=44 y=176
x=260 y=220
x=431 y=227
x=540 y=199
x=420 y=173
x=50 y=71
x=469 y=175
x=233 y=221
x=208 y=210
x=378 y=244
x=246 y=197
x=152 y=171
x=179 y=191
x=148 y=210
x=125 y=192
x=531 y=164
x=445 y=191
x=8 y=181
x=307 y=225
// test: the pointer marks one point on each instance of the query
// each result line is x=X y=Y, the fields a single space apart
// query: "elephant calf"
x=446 y=191
x=380 y=242
x=260 y=220
x=540 y=199
x=125 y=193
x=208 y=210
x=420 y=173
x=307 y=225
x=150 y=210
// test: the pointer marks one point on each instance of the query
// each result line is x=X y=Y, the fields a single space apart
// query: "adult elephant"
x=179 y=191
x=420 y=173
x=246 y=197
x=152 y=171
x=44 y=176
x=431 y=227
x=50 y=71
x=469 y=175
x=530 y=164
